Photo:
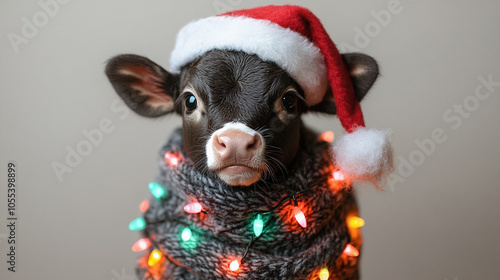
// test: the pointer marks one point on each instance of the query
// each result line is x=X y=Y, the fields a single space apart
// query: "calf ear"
x=363 y=70
x=145 y=86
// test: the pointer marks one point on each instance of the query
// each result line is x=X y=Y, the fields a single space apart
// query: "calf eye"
x=289 y=102
x=190 y=102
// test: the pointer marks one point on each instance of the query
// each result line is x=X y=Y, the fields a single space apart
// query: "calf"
x=241 y=82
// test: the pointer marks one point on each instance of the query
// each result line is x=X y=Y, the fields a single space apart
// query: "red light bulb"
x=193 y=208
x=141 y=245
x=144 y=205
x=172 y=159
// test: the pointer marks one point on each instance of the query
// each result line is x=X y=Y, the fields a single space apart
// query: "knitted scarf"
x=223 y=231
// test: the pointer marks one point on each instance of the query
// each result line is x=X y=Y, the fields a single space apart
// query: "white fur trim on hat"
x=365 y=155
x=271 y=42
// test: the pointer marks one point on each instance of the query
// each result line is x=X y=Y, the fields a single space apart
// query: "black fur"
x=361 y=83
x=167 y=83
x=233 y=86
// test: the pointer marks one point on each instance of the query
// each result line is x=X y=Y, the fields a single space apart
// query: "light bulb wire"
x=252 y=239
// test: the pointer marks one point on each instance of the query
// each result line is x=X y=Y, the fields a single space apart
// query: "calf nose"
x=237 y=145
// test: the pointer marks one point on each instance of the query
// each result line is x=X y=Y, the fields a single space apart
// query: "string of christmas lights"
x=189 y=232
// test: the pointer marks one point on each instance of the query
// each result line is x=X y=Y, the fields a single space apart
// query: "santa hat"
x=294 y=38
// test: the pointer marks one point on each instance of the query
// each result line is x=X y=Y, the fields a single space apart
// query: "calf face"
x=241 y=115
x=237 y=95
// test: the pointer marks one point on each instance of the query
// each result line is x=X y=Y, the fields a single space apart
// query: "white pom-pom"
x=365 y=155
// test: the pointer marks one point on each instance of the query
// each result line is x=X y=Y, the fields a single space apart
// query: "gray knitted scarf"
x=224 y=230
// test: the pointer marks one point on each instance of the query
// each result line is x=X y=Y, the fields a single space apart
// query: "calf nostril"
x=254 y=143
x=251 y=145
x=220 y=143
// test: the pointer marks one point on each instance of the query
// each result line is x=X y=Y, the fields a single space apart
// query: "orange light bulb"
x=155 y=257
x=355 y=222
x=338 y=176
x=351 y=251
x=327 y=136
x=299 y=216
x=234 y=265
x=324 y=274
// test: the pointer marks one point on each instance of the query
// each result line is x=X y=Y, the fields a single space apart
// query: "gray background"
x=439 y=221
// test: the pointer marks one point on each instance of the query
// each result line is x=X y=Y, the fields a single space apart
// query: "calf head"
x=241 y=114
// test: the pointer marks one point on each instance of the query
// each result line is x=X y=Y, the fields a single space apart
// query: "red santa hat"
x=294 y=38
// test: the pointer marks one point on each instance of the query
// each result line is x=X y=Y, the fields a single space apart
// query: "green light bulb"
x=258 y=225
x=186 y=234
x=188 y=240
x=137 y=224
x=157 y=190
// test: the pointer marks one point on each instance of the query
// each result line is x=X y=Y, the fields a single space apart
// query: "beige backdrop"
x=439 y=92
